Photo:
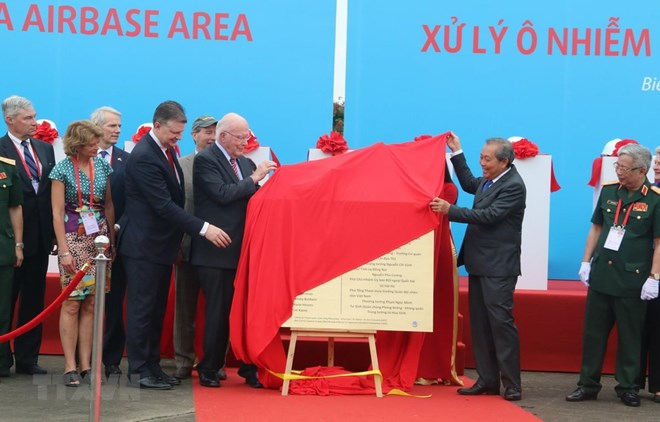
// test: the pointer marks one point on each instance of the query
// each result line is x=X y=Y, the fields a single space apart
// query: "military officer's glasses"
x=624 y=169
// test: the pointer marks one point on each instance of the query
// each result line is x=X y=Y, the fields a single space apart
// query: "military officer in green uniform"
x=622 y=269
x=11 y=247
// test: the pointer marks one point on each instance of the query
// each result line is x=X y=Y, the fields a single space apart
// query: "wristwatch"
x=20 y=245
x=655 y=276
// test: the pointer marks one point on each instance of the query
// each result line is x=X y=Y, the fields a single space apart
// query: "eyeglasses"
x=240 y=138
x=624 y=169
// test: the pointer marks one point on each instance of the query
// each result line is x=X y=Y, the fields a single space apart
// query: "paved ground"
x=27 y=398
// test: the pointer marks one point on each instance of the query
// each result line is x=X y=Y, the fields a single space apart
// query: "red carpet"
x=238 y=402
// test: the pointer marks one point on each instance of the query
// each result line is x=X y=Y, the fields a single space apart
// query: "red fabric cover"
x=317 y=220
x=330 y=386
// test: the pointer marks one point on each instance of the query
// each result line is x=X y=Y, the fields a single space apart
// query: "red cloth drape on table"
x=317 y=220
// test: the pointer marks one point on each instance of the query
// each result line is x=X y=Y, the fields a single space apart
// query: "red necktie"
x=235 y=167
x=170 y=159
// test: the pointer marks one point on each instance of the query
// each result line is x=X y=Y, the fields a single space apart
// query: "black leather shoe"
x=162 y=376
x=580 y=395
x=222 y=375
x=630 y=398
x=33 y=369
x=209 y=379
x=478 y=389
x=151 y=383
x=512 y=394
x=253 y=381
x=112 y=370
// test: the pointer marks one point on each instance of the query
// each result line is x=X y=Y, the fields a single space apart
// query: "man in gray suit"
x=187 y=282
x=223 y=182
x=491 y=255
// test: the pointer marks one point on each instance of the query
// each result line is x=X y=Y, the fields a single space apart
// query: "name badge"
x=614 y=238
x=89 y=222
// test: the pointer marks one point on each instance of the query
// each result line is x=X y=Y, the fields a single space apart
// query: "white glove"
x=649 y=289
x=585 y=269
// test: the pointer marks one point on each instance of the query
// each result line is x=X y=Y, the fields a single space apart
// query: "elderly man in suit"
x=223 y=181
x=149 y=239
x=109 y=120
x=11 y=245
x=491 y=255
x=186 y=281
x=35 y=160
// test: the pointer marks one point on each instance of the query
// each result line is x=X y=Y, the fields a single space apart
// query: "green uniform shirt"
x=621 y=273
x=11 y=195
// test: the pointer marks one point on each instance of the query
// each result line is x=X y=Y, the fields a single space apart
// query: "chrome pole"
x=102 y=243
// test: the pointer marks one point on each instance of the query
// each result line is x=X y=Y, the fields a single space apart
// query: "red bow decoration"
x=524 y=148
x=252 y=142
x=621 y=144
x=334 y=144
x=46 y=132
x=143 y=130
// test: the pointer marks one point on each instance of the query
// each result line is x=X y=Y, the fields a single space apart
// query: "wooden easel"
x=331 y=335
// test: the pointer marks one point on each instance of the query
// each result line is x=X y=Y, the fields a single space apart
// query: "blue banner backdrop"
x=269 y=61
x=567 y=75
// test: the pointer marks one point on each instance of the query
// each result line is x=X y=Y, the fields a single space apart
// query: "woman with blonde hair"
x=82 y=210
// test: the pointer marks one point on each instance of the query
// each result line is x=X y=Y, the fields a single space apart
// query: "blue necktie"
x=29 y=161
x=104 y=154
x=487 y=185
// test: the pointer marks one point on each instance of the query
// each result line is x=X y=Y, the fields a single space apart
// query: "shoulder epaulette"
x=610 y=182
x=8 y=161
x=655 y=189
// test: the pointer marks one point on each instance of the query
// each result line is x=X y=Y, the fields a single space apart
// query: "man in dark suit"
x=223 y=182
x=149 y=239
x=35 y=160
x=186 y=280
x=491 y=255
x=109 y=119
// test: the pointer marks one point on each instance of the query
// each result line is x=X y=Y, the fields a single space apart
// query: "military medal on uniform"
x=615 y=236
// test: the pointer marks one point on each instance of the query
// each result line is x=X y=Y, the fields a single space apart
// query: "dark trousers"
x=148 y=288
x=651 y=348
x=29 y=290
x=218 y=287
x=114 y=338
x=602 y=312
x=185 y=310
x=6 y=284
x=495 y=337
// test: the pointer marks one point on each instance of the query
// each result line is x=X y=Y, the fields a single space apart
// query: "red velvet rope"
x=56 y=303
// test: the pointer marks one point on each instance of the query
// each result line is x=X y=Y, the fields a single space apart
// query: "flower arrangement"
x=46 y=132
x=524 y=148
x=334 y=143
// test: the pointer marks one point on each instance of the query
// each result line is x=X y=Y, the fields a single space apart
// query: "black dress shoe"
x=630 y=398
x=253 y=381
x=512 y=394
x=478 y=389
x=33 y=369
x=151 y=383
x=209 y=379
x=182 y=373
x=162 y=376
x=222 y=375
x=112 y=370
x=580 y=395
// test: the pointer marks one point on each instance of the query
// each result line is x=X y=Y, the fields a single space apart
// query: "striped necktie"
x=29 y=161
x=235 y=167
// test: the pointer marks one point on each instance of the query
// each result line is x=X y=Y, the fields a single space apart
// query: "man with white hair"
x=109 y=119
x=35 y=160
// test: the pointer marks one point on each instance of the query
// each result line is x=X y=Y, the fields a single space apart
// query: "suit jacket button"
x=637 y=271
x=609 y=262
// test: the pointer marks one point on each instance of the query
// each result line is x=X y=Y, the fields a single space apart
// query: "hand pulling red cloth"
x=317 y=220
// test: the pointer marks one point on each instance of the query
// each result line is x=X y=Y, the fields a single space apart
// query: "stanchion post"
x=102 y=243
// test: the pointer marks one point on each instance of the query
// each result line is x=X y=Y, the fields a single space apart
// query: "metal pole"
x=102 y=243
